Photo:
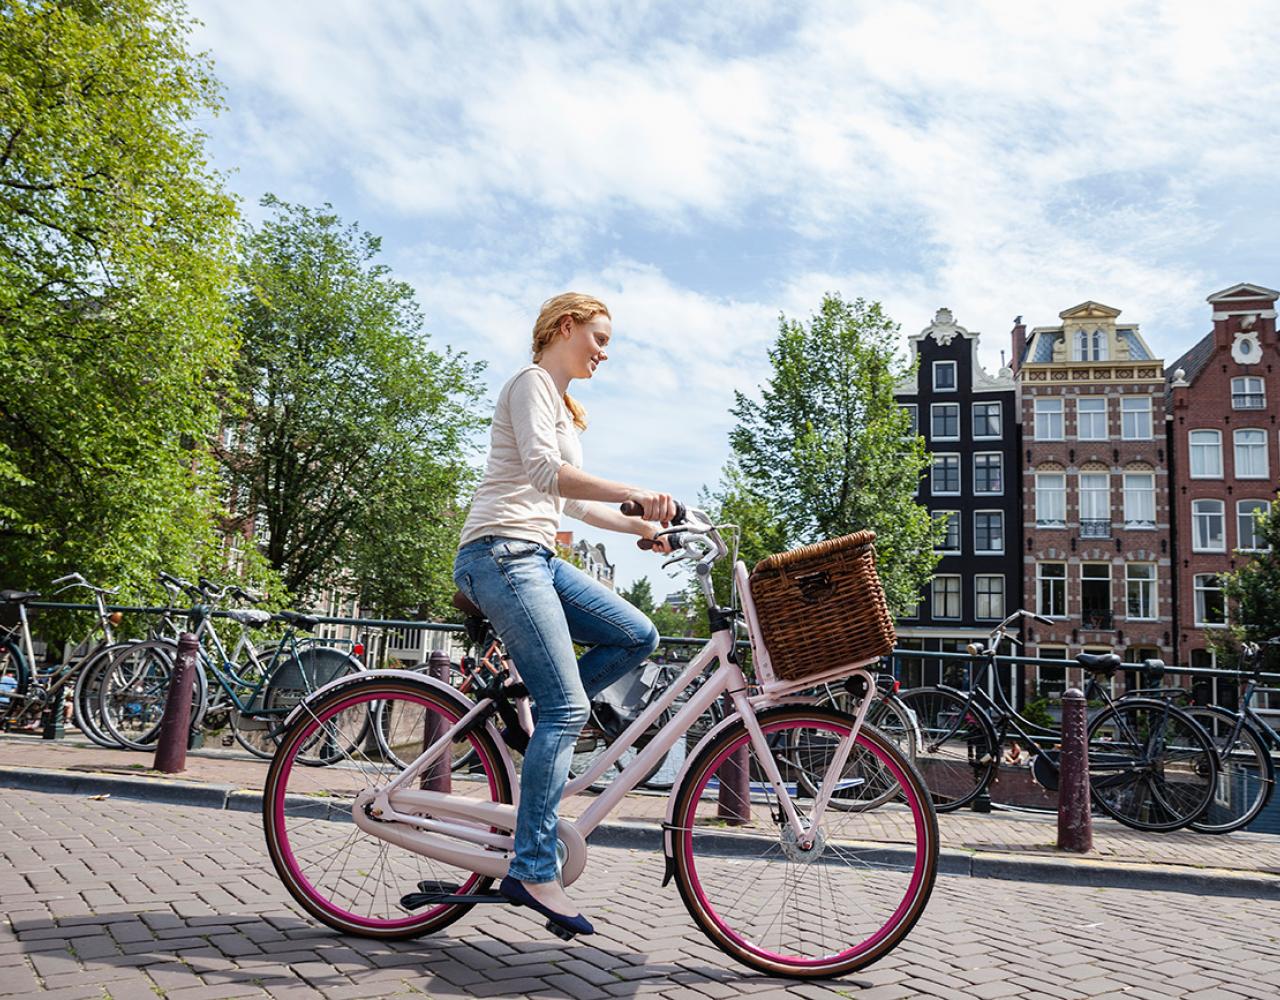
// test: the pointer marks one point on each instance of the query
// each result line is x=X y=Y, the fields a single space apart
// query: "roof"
x=1191 y=363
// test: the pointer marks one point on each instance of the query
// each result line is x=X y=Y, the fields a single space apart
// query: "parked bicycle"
x=807 y=894
x=1151 y=765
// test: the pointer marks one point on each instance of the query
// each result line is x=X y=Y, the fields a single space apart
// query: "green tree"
x=1254 y=593
x=827 y=450
x=116 y=251
x=355 y=432
x=640 y=594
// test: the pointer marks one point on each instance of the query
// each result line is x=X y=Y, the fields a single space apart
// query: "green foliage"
x=827 y=450
x=116 y=248
x=354 y=432
x=1254 y=593
x=640 y=594
x=1037 y=713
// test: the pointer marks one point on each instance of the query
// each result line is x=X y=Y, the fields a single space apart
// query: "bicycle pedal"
x=563 y=933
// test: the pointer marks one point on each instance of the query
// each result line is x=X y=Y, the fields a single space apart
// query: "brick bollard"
x=1075 y=824
x=436 y=777
x=175 y=724
x=733 y=805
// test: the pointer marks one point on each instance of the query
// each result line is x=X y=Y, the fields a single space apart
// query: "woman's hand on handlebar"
x=653 y=506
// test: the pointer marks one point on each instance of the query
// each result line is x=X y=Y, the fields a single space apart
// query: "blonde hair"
x=580 y=308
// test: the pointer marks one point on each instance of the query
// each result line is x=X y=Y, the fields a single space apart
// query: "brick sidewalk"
x=1003 y=832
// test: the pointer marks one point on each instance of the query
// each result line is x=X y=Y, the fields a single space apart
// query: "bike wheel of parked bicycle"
x=823 y=909
x=1246 y=773
x=1151 y=766
x=86 y=694
x=891 y=718
x=134 y=689
x=958 y=751
x=293 y=678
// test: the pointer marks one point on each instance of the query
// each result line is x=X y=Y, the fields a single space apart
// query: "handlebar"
x=633 y=509
x=72 y=580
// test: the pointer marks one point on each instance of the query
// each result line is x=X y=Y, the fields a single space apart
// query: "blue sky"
x=703 y=168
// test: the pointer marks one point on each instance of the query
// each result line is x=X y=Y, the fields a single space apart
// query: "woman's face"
x=585 y=343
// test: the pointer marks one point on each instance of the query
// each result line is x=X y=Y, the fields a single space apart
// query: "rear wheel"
x=958 y=752
x=1150 y=765
x=15 y=678
x=134 y=689
x=346 y=878
x=86 y=694
x=1246 y=773
x=788 y=909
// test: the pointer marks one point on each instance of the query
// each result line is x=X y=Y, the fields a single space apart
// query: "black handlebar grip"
x=644 y=543
x=633 y=509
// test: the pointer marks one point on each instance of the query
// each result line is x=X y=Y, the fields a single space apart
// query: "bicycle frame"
x=465 y=837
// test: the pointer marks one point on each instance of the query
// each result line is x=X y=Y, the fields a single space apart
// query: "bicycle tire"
x=85 y=693
x=891 y=718
x=307 y=811
x=809 y=934
x=134 y=691
x=15 y=678
x=958 y=751
x=1246 y=772
x=297 y=678
x=1155 y=792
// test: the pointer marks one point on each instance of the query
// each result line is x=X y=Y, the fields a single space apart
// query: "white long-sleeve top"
x=531 y=437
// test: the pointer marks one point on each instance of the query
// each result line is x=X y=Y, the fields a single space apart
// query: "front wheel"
x=1246 y=774
x=1150 y=765
x=344 y=877
x=781 y=907
x=135 y=688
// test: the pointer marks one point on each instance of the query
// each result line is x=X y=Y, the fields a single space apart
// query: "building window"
x=1208 y=526
x=1051 y=499
x=1095 y=505
x=1051 y=589
x=945 y=479
x=1140 y=590
x=1211 y=608
x=1248 y=393
x=1206 y=454
x=1091 y=418
x=946 y=597
x=988 y=472
x=1048 y=419
x=1051 y=681
x=1135 y=418
x=951 y=539
x=913 y=420
x=989 y=591
x=986 y=420
x=944 y=376
x=1248 y=533
x=1095 y=596
x=1090 y=346
x=988 y=532
x=944 y=424
x=1139 y=500
x=1251 y=453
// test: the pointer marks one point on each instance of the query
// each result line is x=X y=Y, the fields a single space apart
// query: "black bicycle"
x=1151 y=765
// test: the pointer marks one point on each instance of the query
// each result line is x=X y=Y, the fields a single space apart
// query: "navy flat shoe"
x=559 y=924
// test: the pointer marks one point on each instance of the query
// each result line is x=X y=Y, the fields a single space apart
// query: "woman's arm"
x=574 y=484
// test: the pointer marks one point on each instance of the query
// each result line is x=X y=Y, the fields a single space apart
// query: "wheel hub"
x=794 y=850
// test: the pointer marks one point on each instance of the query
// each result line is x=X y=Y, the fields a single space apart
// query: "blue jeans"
x=541 y=605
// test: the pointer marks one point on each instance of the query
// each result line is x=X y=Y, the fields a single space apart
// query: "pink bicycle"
x=392 y=842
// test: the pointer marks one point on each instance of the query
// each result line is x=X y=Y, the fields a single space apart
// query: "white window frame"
x=1092 y=493
x=933 y=409
x=1062 y=580
x=1048 y=409
x=973 y=420
x=1129 y=494
x=999 y=456
x=1200 y=589
x=1204 y=450
x=978 y=596
x=1255 y=451
x=1253 y=528
x=1242 y=393
x=955 y=376
x=958 y=524
x=1149 y=584
x=1105 y=414
x=1201 y=517
x=933 y=484
x=958 y=594
x=1128 y=409
x=1042 y=522
x=978 y=550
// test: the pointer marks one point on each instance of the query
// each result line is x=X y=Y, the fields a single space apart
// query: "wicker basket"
x=821 y=606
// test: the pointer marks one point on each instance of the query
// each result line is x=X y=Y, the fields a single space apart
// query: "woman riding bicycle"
x=539 y=604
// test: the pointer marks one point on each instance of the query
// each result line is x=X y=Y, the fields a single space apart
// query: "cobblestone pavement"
x=1008 y=832
x=118 y=899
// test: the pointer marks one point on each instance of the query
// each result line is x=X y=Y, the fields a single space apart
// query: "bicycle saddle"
x=1099 y=663
x=306 y=622
x=250 y=616
x=464 y=604
x=17 y=596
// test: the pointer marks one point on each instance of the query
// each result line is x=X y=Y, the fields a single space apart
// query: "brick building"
x=1096 y=538
x=1224 y=394
x=968 y=419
